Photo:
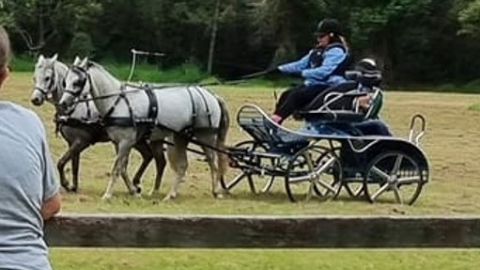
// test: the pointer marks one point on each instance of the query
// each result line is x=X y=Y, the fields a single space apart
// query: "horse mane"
x=60 y=64
x=100 y=67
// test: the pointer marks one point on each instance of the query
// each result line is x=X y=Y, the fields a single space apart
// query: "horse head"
x=47 y=77
x=89 y=77
x=75 y=83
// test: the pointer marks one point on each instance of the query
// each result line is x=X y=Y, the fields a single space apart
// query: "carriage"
x=340 y=147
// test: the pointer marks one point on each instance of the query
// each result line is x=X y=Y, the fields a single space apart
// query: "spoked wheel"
x=261 y=184
x=352 y=182
x=313 y=171
x=393 y=176
x=354 y=186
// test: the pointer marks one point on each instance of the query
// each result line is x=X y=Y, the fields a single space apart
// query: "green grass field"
x=260 y=259
x=452 y=144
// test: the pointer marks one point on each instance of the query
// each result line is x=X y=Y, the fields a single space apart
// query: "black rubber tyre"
x=393 y=176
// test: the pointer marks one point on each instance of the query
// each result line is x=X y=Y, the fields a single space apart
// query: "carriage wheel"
x=313 y=171
x=354 y=186
x=261 y=184
x=393 y=176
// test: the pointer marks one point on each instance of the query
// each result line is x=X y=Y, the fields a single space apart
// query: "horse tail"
x=222 y=137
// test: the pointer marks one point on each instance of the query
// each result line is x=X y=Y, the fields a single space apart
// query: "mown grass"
x=452 y=143
x=261 y=259
x=474 y=107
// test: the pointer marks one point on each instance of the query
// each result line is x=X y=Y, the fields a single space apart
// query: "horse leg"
x=211 y=156
x=61 y=166
x=74 y=149
x=124 y=173
x=75 y=169
x=177 y=158
x=122 y=150
x=83 y=144
x=144 y=149
x=160 y=162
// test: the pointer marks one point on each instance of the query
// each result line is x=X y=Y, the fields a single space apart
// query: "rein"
x=139 y=88
x=122 y=95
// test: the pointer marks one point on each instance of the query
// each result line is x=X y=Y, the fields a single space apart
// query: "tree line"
x=414 y=41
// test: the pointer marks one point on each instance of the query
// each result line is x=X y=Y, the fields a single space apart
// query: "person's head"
x=4 y=54
x=328 y=31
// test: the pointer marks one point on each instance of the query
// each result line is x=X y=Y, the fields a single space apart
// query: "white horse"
x=81 y=126
x=184 y=113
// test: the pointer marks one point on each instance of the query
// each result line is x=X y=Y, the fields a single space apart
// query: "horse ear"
x=54 y=57
x=41 y=58
x=76 y=61
x=84 y=62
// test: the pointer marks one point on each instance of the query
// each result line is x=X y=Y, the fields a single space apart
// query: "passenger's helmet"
x=368 y=73
x=367 y=65
x=328 y=26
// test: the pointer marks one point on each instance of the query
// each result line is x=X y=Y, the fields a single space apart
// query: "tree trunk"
x=213 y=37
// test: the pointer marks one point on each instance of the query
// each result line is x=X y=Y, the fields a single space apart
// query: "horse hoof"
x=169 y=197
x=153 y=193
x=67 y=187
x=106 y=197
x=138 y=189
x=73 y=189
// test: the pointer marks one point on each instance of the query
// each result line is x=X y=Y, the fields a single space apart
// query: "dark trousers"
x=296 y=98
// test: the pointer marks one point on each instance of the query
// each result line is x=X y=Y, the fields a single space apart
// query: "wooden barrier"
x=262 y=231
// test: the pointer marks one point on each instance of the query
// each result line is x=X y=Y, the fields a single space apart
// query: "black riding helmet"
x=367 y=65
x=328 y=26
x=371 y=74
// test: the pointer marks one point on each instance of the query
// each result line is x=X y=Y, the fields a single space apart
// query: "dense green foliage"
x=415 y=41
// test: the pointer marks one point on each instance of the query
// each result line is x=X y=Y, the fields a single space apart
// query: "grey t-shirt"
x=27 y=179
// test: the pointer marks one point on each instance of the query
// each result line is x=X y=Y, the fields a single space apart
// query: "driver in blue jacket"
x=323 y=67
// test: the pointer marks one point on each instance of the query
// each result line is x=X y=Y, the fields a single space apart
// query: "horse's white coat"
x=176 y=106
x=49 y=75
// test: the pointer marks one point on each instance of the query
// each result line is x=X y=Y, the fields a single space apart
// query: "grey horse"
x=80 y=127
x=181 y=113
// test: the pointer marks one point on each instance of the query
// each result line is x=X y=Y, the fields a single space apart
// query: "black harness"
x=65 y=119
x=150 y=121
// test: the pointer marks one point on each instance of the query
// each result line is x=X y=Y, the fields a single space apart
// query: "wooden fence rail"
x=187 y=231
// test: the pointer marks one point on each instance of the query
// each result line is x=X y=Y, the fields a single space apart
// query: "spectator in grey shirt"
x=29 y=190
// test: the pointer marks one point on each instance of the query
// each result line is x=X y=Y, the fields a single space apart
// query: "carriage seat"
x=348 y=102
x=343 y=103
x=351 y=108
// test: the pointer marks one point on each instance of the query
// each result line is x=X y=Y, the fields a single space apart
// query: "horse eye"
x=47 y=78
x=79 y=83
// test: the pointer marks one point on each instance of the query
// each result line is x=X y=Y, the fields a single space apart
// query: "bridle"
x=81 y=83
x=47 y=93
